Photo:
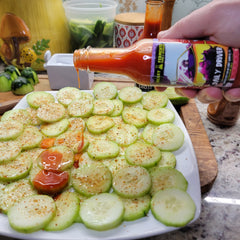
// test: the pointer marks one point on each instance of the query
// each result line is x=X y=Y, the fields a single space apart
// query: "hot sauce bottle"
x=179 y=63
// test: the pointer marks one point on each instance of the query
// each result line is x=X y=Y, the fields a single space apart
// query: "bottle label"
x=193 y=63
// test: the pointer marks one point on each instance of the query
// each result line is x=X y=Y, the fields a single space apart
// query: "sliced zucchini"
x=159 y=116
x=147 y=133
x=168 y=137
x=87 y=96
x=32 y=213
x=173 y=207
x=93 y=137
x=135 y=116
x=142 y=154
x=51 y=112
x=83 y=159
x=167 y=177
x=102 y=149
x=154 y=99
x=103 y=107
x=132 y=182
x=30 y=138
x=14 y=192
x=38 y=98
x=99 y=124
x=102 y=212
x=136 y=208
x=10 y=130
x=55 y=129
x=67 y=94
x=118 y=108
x=19 y=115
x=80 y=108
x=17 y=168
x=67 y=210
x=74 y=140
x=130 y=94
x=175 y=98
x=35 y=121
x=105 y=90
x=57 y=158
x=76 y=124
x=9 y=150
x=123 y=134
x=91 y=179
x=168 y=159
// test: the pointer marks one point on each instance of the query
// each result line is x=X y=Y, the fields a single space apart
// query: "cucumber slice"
x=55 y=129
x=67 y=210
x=32 y=213
x=76 y=124
x=102 y=149
x=136 y=208
x=102 y=212
x=19 y=115
x=175 y=98
x=91 y=179
x=132 y=182
x=142 y=154
x=147 y=133
x=83 y=159
x=135 y=116
x=167 y=177
x=103 y=107
x=14 y=192
x=118 y=108
x=51 y=112
x=80 y=108
x=9 y=150
x=73 y=139
x=30 y=138
x=123 y=134
x=168 y=159
x=17 y=168
x=173 y=207
x=99 y=124
x=35 y=121
x=86 y=96
x=130 y=94
x=154 y=99
x=105 y=90
x=93 y=137
x=67 y=94
x=38 y=98
x=10 y=130
x=168 y=137
x=57 y=158
x=159 y=116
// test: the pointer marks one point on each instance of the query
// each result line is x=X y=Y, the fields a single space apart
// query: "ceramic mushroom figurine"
x=13 y=32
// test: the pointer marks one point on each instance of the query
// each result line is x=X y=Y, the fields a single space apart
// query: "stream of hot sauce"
x=78 y=77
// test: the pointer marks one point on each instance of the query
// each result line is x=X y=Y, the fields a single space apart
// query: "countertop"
x=219 y=219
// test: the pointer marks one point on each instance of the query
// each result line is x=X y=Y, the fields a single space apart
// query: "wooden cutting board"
x=207 y=163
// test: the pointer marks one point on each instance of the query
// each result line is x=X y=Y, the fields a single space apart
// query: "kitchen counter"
x=220 y=213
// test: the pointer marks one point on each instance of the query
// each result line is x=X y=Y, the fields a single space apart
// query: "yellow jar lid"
x=130 y=18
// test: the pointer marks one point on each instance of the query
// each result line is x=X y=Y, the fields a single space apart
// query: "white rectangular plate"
x=141 y=228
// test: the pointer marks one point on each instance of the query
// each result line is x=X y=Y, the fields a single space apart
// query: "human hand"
x=218 y=21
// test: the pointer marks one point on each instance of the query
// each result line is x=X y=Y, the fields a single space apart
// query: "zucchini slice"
x=159 y=116
x=99 y=124
x=10 y=130
x=167 y=177
x=142 y=154
x=38 y=98
x=135 y=116
x=67 y=94
x=123 y=134
x=35 y=121
x=67 y=210
x=154 y=99
x=103 y=107
x=76 y=124
x=32 y=213
x=102 y=212
x=168 y=137
x=9 y=150
x=91 y=179
x=173 y=207
x=130 y=94
x=80 y=108
x=132 y=182
x=105 y=90
x=168 y=159
x=118 y=108
x=51 y=112
x=147 y=133
x=19 y=115
x=102 y=149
